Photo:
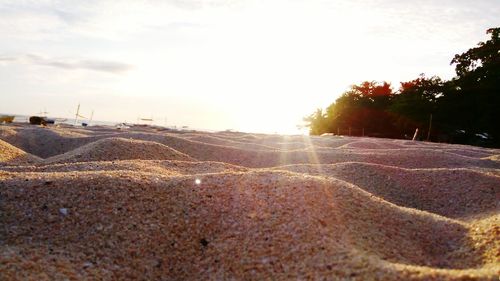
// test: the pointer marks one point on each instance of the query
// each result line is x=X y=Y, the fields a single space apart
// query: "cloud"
x=7 y=59
x=179 y=25
x=70 y=64
x=200 y=4
x=175 y=26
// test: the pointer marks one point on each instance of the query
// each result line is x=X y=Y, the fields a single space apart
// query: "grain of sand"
x=154 y=204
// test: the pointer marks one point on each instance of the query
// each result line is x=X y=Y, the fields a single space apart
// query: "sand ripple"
x=155 y=204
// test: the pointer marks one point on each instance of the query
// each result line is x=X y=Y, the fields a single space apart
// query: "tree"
x=473 y=97
x=468 y=105
x=362 y=108
x=317 y=122
x=415 y=102
x=481 y=62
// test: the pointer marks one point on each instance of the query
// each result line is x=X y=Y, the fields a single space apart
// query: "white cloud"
x=70 y=64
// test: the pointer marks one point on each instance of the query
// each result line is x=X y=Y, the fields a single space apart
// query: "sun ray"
x=284 y=150
x=312 y=154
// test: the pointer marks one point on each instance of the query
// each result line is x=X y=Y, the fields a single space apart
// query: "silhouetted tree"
x=472 y=99
x=363 y=106
x=463 y=109
x=317 y=122
x=482 y=62
x=415 y=102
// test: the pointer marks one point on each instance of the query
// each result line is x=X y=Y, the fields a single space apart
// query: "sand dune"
x=10 y=154
x=155 y=205
x=119 y=149
x=226 y=142
x=455 y=192
x=46 y=142
x=372 y=145
x=145 y=166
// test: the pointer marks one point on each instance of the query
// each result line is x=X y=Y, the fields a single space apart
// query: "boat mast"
x=77 y=113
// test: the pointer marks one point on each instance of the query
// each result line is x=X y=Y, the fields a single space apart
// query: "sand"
x=10 y=154
x=154 y=204
x=119 y=149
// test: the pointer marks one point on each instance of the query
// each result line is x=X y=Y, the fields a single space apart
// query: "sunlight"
x=248 y=66
x=312 y=154
x=235 y=70
x=284 y=151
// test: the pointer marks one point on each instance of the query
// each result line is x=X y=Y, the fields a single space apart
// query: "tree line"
x=465 y=109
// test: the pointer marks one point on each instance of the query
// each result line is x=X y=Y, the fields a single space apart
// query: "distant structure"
x=148 y=121
x=43 y=113
x=91 y=117
x=6 y=119
x=78 y=114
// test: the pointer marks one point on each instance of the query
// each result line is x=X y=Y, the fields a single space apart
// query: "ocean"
x=69 y=121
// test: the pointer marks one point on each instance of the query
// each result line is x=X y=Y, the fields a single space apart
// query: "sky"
x=247 y=65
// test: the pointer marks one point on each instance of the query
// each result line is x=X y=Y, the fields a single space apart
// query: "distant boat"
x=37 y=120
x=122 y=126
x=6 y=118
x=147 y=120
x=77 y=115
x=43 y=115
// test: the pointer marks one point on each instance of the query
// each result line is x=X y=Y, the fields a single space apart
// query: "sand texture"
x=147 y=203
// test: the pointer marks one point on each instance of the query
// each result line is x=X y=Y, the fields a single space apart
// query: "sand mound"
x=405 y=157
x=73 y=133
x=408 y=158
x=230 y=226
x=46 y=142
x=119 y=149
x=448 y=192
x=469 y=152
x=210 y=152
x=494 y=158
x=7 y=132
x=163 y=167
x=113 y=204
x=372 y=145
x=362 y=144
x=484 y=235
x=231 y=143
x=11 y=155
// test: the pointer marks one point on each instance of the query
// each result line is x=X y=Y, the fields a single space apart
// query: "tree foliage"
x=465 y=109
x=481 y=62
x=415 y=102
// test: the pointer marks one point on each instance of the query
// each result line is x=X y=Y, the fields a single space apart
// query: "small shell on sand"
x=63 y=211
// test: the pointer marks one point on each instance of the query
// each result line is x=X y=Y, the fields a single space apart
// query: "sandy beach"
x=149 y=203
